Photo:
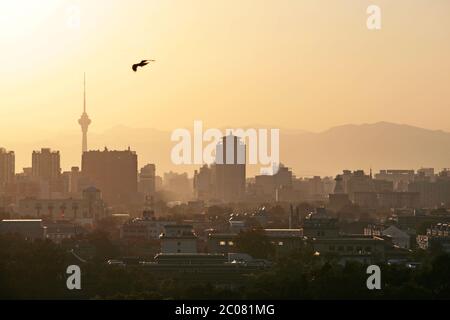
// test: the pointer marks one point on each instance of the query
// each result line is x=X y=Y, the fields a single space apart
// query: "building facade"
x=114 y=173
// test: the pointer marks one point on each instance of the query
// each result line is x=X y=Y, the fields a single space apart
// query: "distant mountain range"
x=379 y=145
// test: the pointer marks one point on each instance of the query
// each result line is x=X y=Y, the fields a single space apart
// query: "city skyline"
x=246 y=152
x=153 y=146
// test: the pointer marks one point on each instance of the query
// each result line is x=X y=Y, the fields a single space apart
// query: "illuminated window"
x=231 y=243
x=280 y=243
x=222 y=243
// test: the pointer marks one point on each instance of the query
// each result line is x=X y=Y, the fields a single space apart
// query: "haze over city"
x=254 y=151
x=308 y=65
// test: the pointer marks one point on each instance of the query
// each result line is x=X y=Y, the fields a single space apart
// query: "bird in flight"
x=143 y=63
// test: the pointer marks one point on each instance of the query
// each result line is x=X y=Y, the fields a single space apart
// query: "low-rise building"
x=399 y=237
x=29 y=228
x=178 y=239
x=143 y=229
x=57 y=231
x=85 y=210
x=437 y=237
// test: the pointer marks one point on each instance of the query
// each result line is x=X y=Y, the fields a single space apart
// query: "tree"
x=255 y=243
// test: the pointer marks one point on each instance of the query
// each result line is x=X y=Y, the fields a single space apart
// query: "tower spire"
x=84 y=121
x=84 y=94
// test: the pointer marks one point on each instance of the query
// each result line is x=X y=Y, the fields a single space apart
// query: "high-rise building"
x=268 y=184
x=71 y=181
x=84 y=121
x=203 y=183
x=113 y=172
x=46 y=165
x=399 y=178
x=230 y=169
x=46 y=172
x=147 y=183
x=7 y=166
x=179 y=184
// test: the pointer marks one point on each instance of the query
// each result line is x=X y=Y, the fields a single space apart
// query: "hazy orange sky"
x=308 y=64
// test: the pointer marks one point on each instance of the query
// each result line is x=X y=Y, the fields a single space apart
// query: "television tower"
x=84 y=121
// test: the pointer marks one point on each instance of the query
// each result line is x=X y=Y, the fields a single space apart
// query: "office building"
x=114 y=173
x=230 y=169
x=7 y=167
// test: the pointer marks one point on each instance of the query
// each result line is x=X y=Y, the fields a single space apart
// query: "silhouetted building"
x=179 y=184
x=203 y=183
x=357 y=181
x=366 y=199
x=147 y=181
x=46 y=171
x=230 y=169
x=314 y=188
x=7 y=167
x=433 y=192
x=399 y=199
x=399 y=178
x=114 y=173
x=72 y=181
x=46 y=164
x=267 y=186
x=25 y=185
x=84 y=210
x=339 y=199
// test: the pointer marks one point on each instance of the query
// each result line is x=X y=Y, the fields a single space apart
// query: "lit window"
x=280 y=243
x=231 y=243
x=222 y=243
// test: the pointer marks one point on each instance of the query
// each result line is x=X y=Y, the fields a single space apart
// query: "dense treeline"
x=36 y=270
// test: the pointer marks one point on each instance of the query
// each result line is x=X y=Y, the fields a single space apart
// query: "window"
x=223 y=243
x=280 y=243
x=230 y=243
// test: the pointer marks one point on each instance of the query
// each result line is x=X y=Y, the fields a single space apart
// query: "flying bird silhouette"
x=143 y=63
